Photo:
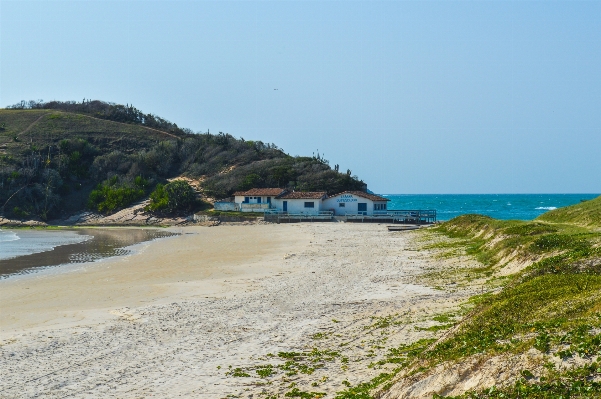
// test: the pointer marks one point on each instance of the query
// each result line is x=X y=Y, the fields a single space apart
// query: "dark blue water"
x=498 y=206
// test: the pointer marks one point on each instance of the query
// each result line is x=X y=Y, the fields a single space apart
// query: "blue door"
x=285 y=206
x=362 y=208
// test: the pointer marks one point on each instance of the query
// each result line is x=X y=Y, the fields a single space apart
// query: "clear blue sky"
x=413 y=97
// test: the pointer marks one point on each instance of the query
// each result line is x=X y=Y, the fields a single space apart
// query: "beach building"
x=257 y=199
x=281 y=205
x=355 y=203
x=280 y=200
x=310 y=202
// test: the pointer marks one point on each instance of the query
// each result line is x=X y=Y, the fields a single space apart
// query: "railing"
x=274 y=215
x=402 y=216
x=396 y=216
x=256 y=207
x=301 y=214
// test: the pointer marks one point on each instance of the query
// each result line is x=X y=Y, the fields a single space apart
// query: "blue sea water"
x=498 y=206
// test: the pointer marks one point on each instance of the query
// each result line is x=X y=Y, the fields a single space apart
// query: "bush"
x=112 y=195
x=175 y=196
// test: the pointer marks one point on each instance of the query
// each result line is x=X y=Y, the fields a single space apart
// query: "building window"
x=309 y=204
x=379 y=207
x=341 y=205
x=269 y=200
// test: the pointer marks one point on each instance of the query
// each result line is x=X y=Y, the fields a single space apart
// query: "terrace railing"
x=244 y=207
x=274 y=215
x=417 y=216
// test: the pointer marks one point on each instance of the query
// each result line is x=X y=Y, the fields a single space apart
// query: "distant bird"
x=274 y=89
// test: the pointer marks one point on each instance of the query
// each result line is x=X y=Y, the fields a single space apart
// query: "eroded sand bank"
x=171 y=320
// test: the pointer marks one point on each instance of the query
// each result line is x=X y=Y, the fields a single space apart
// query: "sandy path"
x=170 y=321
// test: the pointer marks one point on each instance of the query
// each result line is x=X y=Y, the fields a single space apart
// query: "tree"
x=175 y=196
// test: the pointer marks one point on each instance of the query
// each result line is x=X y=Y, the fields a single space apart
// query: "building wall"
x=351 y=204
x=298 y=205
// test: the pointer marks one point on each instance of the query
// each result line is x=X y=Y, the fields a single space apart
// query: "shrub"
x=175 y=196
x=113 y=194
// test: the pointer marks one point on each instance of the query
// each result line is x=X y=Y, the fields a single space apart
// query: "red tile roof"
x=260 y=192
x=303 y=195
x=372 y=197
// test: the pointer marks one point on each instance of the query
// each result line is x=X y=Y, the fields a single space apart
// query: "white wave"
x=6 y=236
x=547 y=208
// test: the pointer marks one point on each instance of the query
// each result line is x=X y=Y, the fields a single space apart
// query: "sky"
x=411 y=96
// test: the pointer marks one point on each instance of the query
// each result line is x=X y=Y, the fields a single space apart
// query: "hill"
x=586 y=213
x=54 y=155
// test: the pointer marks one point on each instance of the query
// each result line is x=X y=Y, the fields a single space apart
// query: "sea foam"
x=546 y=208
x=6 y=236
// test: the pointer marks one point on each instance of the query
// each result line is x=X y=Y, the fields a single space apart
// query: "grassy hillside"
x=53 y=155
x=586 y=213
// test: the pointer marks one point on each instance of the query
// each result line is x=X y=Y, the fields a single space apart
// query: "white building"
x=257 y=199
x=310 y=202
x=355 y=203
x=277 y=199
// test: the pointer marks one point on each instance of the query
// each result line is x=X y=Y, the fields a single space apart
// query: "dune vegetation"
x=551 y=305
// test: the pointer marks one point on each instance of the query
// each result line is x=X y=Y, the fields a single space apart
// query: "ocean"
x=498 y=206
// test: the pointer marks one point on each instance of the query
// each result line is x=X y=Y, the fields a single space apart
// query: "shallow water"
x=15 y=243
x=25 y=251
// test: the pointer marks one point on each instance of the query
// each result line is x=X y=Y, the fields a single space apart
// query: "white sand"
x=168 y=322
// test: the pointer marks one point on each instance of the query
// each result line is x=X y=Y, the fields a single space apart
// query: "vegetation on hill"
x=172 y=197
x=57 y=158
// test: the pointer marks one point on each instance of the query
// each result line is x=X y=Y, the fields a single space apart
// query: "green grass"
x=586 y=213
x=55 y=126
x=550 y=301
x=554 y=305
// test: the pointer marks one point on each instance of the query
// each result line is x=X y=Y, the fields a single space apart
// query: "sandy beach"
x=200 y=314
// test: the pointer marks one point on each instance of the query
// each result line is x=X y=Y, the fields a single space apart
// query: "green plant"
x=297 y=393
x=174 y=196
x=113 y=194
x=265 y=371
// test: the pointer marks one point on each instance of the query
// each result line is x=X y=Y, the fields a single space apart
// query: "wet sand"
x=104 y=243
x=171 y=319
